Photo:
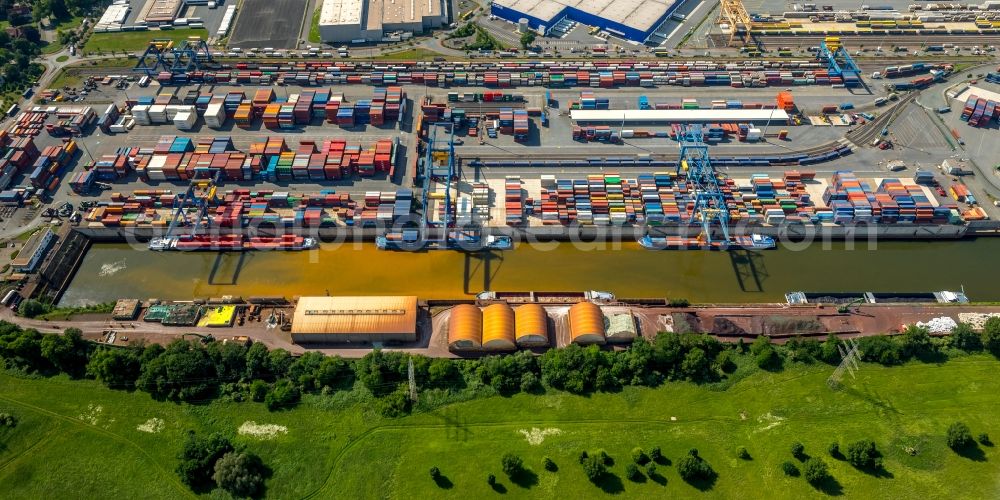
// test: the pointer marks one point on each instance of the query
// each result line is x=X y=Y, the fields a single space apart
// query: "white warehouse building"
x=371 y=20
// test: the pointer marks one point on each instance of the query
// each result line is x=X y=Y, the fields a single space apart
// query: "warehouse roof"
x=402 y=11
x=390 y=314
x=678 y=115
x=638 y=14
x=30 y=248
x=162 y=11
x=338 y=12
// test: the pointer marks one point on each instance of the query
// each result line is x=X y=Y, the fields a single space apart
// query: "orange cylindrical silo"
x=531 y=325
x=465 y=327
x=586 y=323
x=498 y=327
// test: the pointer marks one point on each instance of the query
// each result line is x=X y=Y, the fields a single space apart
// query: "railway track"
x=902 y=40
x=864 y=135
x=857 y=138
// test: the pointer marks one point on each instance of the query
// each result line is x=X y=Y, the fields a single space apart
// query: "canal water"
x=112 y=271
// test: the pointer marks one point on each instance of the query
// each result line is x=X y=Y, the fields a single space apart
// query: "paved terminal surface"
x=268 y=23
x=922 y=137
x=920 y=142
x=723 y=322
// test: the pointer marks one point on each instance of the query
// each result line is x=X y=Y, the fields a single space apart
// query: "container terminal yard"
x=829 y=163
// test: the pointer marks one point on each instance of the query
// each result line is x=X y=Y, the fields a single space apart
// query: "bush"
x=790 y=469
x=583 y=456
x=198 y=459
x=816 y=471
x=863 y=454
x=31 y=308
x=549 y=465
x=258 y=390
x=959 y=436
x=632 y=472
x=834 y=450
x=916 y=342
x=694 y=468
x=283 y=395
x=678 y=303
x=511 y=464
x=984 y=439
x=651 y=469
x=655 y=454
x=639 y=456
x=991 y=336
x=9 y=420
x=962 y=337
x=798 y=450
x=764 y=354
x=435 y=473
x=491 y=480
x=240 y=474
x=530 y=382
x=742 y=453
x=725 y=361
x=594 y=468
x=604 y=457
x=880 y=349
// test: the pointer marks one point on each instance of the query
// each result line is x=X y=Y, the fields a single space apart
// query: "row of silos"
x=497 y=327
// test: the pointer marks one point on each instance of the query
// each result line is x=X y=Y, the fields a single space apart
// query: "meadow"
x=78 y=439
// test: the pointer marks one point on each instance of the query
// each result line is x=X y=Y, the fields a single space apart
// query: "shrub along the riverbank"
x=192 y=371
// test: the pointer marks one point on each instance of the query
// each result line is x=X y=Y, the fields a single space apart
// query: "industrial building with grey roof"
x=631 y=19
x=371 y=20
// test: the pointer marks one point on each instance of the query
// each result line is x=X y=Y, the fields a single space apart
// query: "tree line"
x=192 y=371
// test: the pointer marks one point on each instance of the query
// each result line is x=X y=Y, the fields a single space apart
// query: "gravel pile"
x=976 y=320
x=944 y=324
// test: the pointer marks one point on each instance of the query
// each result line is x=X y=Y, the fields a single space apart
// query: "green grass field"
x=70 y=76
x=314 y=36
x=136 y=41
x=77 y=439
x=415 y=54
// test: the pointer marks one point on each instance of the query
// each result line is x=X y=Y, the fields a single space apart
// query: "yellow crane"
x=734 y=14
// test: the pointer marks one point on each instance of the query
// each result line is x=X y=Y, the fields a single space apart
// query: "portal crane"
x=733 y=13
x=709 y=202
x=838 y=61
x=192 y=199
x=164 y=54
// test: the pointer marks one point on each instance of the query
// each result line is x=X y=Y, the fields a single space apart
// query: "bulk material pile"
x=944 y=324
x=976 y=320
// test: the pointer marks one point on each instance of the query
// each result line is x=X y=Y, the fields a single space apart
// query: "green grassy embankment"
x=79 y=439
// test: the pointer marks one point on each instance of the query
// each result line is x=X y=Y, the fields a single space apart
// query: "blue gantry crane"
x=709 y=202
x=178 y=58
x=440 y=166
x=199 y=194
x=839 y=62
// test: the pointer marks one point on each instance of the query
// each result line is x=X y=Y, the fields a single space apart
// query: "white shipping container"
x=185 y=120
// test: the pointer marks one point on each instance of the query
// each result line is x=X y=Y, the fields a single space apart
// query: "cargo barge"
x=941 y=297
x=410 y=241
x=596 y=296
x=753 y=242
x=231 y=243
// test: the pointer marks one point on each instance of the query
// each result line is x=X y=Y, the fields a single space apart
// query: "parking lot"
x=268 y=23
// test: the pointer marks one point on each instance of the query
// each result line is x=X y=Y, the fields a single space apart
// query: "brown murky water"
x=111 y=271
